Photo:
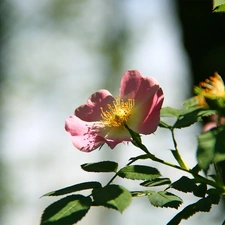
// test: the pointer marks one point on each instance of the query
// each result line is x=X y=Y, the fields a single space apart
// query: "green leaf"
x=205 y=151
x=164 y=199
x=170 y=112
x=200 y=190
x=184 y=184
x=137 y=140
x=112 y=196
x=211 y=147
x=139 y=172
x=184 y=117
x=191 y=116
x=213 y=196
x=203 y=205
x=145 y=156
x=135 y=136
x=190 y=103
x=213 y=191
x=104 y=166
x=218 y=5
x=74 y=188
x=155 y=182
x=140 y=193
x=66 y=211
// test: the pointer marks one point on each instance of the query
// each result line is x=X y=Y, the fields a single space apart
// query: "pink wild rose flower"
x=102 y=119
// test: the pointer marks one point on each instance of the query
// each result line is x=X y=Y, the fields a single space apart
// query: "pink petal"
x=148 y=101
x=133 y=85
x=91 y=111
x=150 y=111
x=88 y=133
x=83 y=135
x=113 y=142
x=88 y=136
x=208 y=126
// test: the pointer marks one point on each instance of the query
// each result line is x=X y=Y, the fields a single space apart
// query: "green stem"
x=176 y=153
x=198 y=178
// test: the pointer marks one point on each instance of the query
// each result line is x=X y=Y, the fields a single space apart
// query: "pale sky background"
x=53 y=68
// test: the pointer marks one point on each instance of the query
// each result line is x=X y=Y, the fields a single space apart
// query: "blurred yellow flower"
x=211 y=93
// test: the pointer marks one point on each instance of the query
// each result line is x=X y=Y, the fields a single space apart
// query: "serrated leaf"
x=184 y=184
x=203 y=205
x=164 y=199
x=139 y=172
x=170 y=112
x=200 y=190
x=112 y=196
x=213 y=196
x=104 y=166
x=155 y=182
x=211 y=147
x=74 y=188
x=66 y=211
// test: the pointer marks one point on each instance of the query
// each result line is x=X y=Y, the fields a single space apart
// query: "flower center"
x=118 y=113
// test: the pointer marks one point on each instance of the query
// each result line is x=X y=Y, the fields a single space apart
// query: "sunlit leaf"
x=139 y=172
x=185 y=117
x=104 y=166
x=112 y=196
x=218 y=5
x=170 y=112
x=190 y=103
x=74 y=188
x=164 y=199
x=66 y=211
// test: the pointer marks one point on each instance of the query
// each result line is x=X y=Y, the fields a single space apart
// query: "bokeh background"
x=54 y=54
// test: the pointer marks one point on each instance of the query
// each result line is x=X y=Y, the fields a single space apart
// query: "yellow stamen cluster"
x=118 y=113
